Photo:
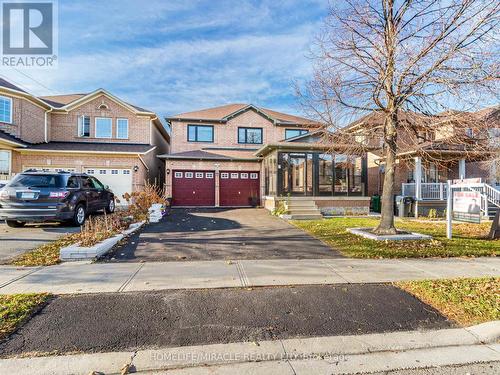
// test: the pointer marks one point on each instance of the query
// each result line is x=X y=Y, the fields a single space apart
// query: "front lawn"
x=16 y=309
x=468 y=239
x=466 y=301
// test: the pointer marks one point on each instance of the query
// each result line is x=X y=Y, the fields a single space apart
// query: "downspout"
x=46 y=126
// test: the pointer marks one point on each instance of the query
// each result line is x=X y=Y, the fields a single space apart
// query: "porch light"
x=136 y=168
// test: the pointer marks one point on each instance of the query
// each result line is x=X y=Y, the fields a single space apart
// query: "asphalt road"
x=16 y=241
x=131 y=321
x=220 y=234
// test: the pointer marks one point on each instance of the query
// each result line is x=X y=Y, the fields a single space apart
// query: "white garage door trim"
x=119 y=180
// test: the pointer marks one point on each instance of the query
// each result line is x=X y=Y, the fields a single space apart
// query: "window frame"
x=8 y=99
x=196 y=126
x=81 y=126
x=95 y=128
x=117 y=129
x=246 y=128
x=301 y=132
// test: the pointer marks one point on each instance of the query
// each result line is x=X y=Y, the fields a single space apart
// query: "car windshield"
x=38 y=181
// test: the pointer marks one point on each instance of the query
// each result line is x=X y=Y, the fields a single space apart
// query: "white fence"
x=429 y=191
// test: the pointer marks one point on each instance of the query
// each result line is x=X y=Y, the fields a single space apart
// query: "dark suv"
x=35 y=196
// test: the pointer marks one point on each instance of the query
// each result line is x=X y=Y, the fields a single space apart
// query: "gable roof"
x=9 y=138
x=6 y=84
x=225 y=112
x=59 y=101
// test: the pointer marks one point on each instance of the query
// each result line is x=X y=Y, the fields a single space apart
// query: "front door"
x=297 y=170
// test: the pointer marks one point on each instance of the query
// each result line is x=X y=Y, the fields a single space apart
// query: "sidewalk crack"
x=245 y=282
x=335 y=272
x=125 y=284
x=19 y=277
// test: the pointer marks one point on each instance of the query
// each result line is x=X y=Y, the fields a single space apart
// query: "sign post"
x=449 y=201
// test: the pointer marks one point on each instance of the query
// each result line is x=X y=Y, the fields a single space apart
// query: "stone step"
x=312 y=211
x=306 y=217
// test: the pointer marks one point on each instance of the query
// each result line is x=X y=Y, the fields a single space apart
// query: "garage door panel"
x=193 y=188
x=119 y=180
x=239 y=188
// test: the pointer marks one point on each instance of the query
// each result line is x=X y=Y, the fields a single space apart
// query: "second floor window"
x=5 y=109
x=292 y=133
x=200 y=133
x=84 y=126
x=103 y=127
x=250 y=135
x=122 y=128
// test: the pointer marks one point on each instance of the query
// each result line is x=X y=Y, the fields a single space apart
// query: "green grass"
x=466 y=301
x=468 y=239
x=15 y=309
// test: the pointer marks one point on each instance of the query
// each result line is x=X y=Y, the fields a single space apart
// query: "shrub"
x=432 y=213
x=139 y=202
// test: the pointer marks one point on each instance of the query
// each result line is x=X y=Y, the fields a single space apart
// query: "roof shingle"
x=92 y=147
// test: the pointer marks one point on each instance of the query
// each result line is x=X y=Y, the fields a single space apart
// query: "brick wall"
x=28 y=120
x=64 y=127
x=226 y=135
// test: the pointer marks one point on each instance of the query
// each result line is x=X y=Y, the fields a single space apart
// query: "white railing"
x=408 y=190
x=428 y=191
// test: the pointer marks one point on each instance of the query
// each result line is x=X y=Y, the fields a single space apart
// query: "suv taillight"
x=58 y=194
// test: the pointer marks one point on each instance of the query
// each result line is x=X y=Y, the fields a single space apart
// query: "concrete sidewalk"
x=317 y=355
x=83 y=277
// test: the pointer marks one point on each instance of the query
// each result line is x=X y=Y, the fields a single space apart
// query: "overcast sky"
x=176 y=56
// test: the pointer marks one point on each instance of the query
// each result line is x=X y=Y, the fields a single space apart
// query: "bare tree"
x=405 y=63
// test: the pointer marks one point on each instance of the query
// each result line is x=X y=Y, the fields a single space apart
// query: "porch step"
x=305 y=216
x=302 y=209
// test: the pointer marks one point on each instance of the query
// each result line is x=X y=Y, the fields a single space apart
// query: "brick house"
x=244 y=155
x=432 y=156
x=96 y=133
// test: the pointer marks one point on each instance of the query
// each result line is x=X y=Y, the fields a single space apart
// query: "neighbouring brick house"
x=244 y=155
x=96 y=133
x=429 y=158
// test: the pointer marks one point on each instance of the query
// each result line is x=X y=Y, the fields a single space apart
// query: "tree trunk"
x=386 y=225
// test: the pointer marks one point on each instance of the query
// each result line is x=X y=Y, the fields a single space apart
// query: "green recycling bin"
x=376 y=203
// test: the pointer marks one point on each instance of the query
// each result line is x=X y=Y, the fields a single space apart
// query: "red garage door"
x=237 y=188
x=193 y=188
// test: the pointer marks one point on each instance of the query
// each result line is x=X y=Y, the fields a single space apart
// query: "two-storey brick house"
x=433 y=150
x=244 y=155
x=96 y=133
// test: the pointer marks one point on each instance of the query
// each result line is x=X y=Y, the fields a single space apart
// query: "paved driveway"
x=15 y=241
x=214 y=234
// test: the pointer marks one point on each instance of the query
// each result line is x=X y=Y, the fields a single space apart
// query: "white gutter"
x=46 y=126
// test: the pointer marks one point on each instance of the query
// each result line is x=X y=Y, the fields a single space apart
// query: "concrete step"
x=311 y=211
x=301 y=204
x=305 y=216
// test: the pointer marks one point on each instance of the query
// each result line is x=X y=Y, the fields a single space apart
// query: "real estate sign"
x=467 y=206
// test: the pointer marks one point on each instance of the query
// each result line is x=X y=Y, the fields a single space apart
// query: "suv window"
x=37 y=181
x=87 y=182
x=73 y=183
x=97 y=184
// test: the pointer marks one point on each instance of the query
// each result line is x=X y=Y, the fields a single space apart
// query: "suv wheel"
x=110 y=208
x=79 y=215
x=15 y=223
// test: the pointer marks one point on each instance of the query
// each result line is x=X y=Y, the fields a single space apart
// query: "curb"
x=458 y=345
x=76 y=252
